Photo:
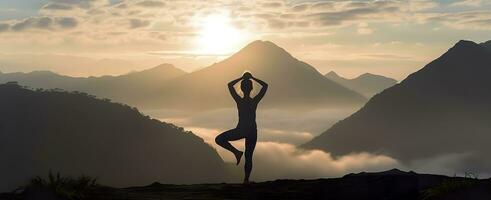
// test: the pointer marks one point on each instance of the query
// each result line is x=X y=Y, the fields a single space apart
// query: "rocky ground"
x=393 y=184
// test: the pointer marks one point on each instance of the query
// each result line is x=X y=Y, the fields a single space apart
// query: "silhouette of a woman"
x=246 y=128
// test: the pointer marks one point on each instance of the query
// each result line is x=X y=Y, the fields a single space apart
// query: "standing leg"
x=250 y=144
x=224 y=141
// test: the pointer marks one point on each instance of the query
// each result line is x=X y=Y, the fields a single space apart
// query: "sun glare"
x=217 y=36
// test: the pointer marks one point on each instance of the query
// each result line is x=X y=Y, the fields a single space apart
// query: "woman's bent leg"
x=224 y=141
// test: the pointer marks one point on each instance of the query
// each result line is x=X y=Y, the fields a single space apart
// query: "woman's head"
x=247 y=75
x=246 y=86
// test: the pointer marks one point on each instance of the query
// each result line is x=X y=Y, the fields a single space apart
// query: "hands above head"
x=248 y=75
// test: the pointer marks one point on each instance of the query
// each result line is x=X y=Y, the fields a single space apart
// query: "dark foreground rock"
x=393 y=184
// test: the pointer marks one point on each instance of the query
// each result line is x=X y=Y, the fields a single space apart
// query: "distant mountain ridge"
x=442 y=109
x=74 y=134
x=366 y=84
x=126 y=88
x=161 y=72
x=293 y=83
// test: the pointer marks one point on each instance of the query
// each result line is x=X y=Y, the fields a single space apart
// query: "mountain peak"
x=486 y=45
x=332 y=74
x=457 y=58
x=392 y=172
x=163 y=69
x=457 y=83
x=43 y=72
x=370 y=75
x=164 y=65
x=262 y=44
x=367 y=75
x=464 y=44
x=161 y=72
x=260 y=47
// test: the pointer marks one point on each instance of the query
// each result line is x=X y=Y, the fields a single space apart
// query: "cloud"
x=274 y=160
x=363 y=29
x=279 y=161
x=300 y=8
x=44 y=23
x=86 y=4
x=470 y=3
x=274 y=4
x=275 y=125
x=260 y=16
x=4 y=27
x=421 y=5
x=57 y=6
x=477 y=20
x=150 y=4
x=276 y=155
x=360 y=13
x=454 y=164
x=138 y=23
x=67 y=22
x=38 y=22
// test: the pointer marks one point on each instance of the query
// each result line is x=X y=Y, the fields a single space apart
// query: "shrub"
x=451 y=185
x=63 y=187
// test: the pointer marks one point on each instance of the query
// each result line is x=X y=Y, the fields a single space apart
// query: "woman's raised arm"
x=231 y=89
x=261 y=93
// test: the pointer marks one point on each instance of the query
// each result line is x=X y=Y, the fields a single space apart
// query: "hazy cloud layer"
x=282 y=161
x=279 y=131
x=181 y=17
x=275 y=125
x=277 y=157
x=119 y=28
x=41 y=23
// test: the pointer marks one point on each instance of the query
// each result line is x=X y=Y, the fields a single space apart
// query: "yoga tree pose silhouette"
x=246 y=127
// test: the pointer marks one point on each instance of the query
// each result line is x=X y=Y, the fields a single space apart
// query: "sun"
x=217 y=35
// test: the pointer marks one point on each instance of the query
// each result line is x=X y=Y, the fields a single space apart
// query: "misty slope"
x=443 y=108
x=487 y=45
x=125 y=88
x=292 y=83
x=132 y=87
x=366 y=84
x=75 y=134
x=67 y=63
x=42 y=79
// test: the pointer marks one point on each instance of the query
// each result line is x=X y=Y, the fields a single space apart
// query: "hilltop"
x=366 y=84
x=444 y=109
x=74 y=133
x=390 y=185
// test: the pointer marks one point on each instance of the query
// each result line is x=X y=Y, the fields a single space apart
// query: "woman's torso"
x=247 y=114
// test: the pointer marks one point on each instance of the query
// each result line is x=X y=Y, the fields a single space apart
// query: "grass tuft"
x=63 y=187
x=451 y=185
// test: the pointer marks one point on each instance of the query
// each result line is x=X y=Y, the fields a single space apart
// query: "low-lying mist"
x=273 y=125
x=280 y=132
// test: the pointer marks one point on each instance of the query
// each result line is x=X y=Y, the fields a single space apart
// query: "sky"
x=98 y=37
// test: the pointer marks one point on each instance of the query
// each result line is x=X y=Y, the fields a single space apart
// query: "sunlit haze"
x=392 y=38
x=217 y=36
